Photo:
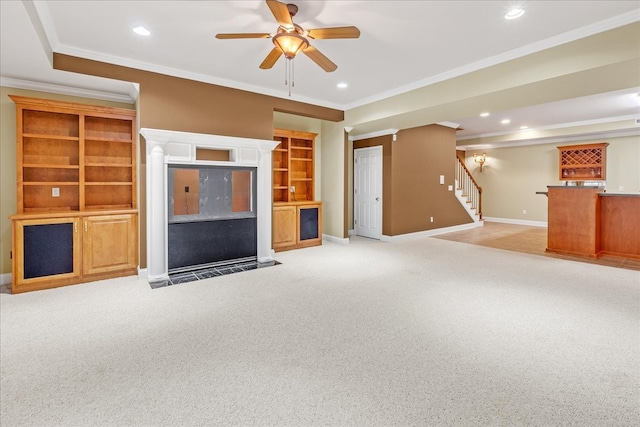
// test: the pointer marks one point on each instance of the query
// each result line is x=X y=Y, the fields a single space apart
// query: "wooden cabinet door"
x=284 y=226
x=46 y=253
x=309 y=225
x=109 y=244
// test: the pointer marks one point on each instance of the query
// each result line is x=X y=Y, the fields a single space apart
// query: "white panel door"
x=367 y=188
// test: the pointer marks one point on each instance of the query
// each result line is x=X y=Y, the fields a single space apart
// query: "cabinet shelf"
x=49 y=166
x=107 y=165
x=301 y=179
x=50 y=136
x=98 y=139
x=51 y=183
x=107 y=183
x=301 y=159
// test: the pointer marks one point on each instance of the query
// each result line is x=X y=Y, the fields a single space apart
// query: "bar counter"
x=586 y=221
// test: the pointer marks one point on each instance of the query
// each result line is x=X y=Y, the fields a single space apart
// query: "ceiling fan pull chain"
x=293 y=74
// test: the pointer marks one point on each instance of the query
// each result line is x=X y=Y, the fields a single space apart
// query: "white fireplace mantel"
x=166 y=147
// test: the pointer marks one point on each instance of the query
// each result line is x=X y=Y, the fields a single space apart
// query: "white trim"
x=517 y=221
x=47 y=29
x=553 y=139
x=558 y=126
x=334 y=239
x=6 y=279
x=428 y=233
x=374 y=134
x=589 y=30
x=142 y=273
x=69 y=90
x=351 y=232
x=451 y=125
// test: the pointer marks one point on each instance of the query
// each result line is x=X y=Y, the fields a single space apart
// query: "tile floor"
x=528 y=239
x=205 y=273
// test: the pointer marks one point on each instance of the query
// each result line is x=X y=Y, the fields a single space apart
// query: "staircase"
x=468 y=192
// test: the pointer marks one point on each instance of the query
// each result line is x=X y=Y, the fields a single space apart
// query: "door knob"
x=377 y=199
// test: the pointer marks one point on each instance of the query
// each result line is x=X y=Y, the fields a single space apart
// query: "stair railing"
x=469 y=186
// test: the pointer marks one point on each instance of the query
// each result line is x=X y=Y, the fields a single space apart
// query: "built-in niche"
x=211 y=214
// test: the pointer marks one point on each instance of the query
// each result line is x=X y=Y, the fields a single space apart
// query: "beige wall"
x=511 y=176
x=334 y=143
x=8 y=194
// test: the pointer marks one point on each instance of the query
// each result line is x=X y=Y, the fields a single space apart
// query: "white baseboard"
x=433 y=232
x=334 y=239
x=517 y=221
x=351 y=232
x=6 y=279
x=142 y=273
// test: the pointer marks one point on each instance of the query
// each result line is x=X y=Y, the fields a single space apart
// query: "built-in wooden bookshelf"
x=293 y=166
x=297 y=216
x=76 y=174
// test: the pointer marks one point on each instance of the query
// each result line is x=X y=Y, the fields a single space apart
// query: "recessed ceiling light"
x=484 y=114
x=505 y=121
x=514 y=13
x=141 y=31
x=342 y=85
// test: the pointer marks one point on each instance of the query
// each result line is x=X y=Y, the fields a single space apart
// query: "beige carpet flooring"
x=422 y=332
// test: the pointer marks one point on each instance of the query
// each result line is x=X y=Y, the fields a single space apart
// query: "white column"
x=157 y=264
x=264 y=187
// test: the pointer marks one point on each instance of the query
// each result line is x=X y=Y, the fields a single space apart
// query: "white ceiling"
x=403 y=45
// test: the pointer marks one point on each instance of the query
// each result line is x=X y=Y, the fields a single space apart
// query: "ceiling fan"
x=291 y=38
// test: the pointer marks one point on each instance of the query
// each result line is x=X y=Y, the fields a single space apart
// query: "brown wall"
x=179 y=104
x=411 y=169
x=419 y=156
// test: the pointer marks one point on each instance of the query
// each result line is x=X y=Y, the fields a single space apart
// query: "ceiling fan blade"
x=317 y=57
x=335 y=33
x=243 y=36
x=271 y=58
x=281 y=13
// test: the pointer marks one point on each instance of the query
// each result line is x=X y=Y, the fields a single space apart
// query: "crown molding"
x=374 y=134
x=570 y=36
x=557 y=126
x=619 y=133
x=129 y=98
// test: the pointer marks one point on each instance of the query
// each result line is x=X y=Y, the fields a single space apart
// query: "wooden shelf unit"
x=87 y=153
x=297 y=217
x=76 y=164
x=293 y=166
x=586 y=162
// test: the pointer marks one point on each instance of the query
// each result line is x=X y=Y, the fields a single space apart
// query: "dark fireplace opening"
x=212 y=215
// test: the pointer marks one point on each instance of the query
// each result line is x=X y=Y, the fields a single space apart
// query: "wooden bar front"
x=585 y=221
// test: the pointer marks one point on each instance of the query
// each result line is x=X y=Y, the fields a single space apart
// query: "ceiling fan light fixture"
x=290 y=43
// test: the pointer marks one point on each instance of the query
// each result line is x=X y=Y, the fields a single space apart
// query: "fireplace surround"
x=164 y=148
